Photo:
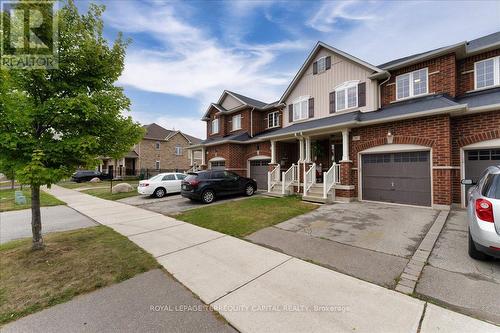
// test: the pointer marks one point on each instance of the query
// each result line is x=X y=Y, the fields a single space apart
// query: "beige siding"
x=319 y=86
x=230 y=102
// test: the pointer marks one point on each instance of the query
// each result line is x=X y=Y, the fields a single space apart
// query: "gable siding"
x=230 y=102
x=320 y=85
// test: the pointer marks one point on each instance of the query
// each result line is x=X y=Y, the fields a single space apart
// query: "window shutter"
x=290 y=113
x=362 y=94
x=328 y=62
x=332 y=102
x=311 y=107
x=315 y=67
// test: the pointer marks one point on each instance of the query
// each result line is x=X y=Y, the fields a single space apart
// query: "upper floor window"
x=236 y=122
x=157 y=145
x=178 y=150
x=215 y=126
x=487 y=73
x=157 y=165
x=300 y=109
x=321 y=64
x=412 y=84
x=346 y=96
x=273 y=119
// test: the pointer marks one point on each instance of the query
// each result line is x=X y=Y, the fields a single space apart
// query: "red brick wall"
x=444 y=81
x=468 y=130
x=466 y=80
x=432 y=132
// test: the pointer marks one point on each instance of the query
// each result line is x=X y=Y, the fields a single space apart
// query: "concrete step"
x=316 y=199
x=273 y=194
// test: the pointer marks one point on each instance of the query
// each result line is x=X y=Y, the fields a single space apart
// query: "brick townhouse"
x=405 y=132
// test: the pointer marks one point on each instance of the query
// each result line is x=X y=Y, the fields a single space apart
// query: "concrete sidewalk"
x=260 y=290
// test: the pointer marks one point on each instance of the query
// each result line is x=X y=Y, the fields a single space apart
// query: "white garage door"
x=258 y=171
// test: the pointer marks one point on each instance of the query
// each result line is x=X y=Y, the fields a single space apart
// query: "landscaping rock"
x=95 y=180
x=121 y=188
x=2 y=177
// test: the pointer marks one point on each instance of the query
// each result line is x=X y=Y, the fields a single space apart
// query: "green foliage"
x=52 y=121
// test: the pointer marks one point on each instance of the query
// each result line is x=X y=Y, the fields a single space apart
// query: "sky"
x=185 y=53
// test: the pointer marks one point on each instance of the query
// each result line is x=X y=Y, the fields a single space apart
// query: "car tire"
x=208 y=196
x=249 y=190
x=473 y=252
x=160 y=192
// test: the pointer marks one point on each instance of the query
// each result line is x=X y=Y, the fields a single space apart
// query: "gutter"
x=379 y=104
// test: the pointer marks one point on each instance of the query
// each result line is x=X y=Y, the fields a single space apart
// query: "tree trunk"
x=36 y=219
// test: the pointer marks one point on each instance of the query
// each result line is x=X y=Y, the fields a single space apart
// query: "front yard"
x=243 y=217
x=72 y=263
x=102 y=189
x=105 y=193
x=7 y=200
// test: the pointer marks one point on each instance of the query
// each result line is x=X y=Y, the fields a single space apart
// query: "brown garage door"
x=397 y=177
x=258 y=171
x=476 y=161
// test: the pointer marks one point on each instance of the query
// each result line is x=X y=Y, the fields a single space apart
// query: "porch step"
x=317 y=199
x=273 y=194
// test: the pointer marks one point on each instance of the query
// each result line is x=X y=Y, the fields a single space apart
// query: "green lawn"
x=7 y=200
x=105 y=193
x=105 y=183
x=72 y=263
x=243 y=217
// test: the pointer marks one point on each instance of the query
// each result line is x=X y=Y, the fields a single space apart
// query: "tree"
x=53 y=121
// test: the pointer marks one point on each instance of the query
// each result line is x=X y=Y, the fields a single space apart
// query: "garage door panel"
x=477 y=161
x=258 y=171
x=397 y=177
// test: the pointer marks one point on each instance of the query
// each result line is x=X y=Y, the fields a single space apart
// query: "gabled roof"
x=156 y=132
x=310 y=59
x=484 y=43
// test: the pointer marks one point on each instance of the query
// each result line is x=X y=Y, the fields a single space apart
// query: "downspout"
x=380 y=90
x=251 y=122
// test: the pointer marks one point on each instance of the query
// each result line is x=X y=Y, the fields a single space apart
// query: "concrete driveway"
x=367 y=240
x=17 y=224
x=453 y=278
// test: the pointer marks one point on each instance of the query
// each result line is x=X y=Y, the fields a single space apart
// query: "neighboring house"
x=159 y=150
x=404 y=132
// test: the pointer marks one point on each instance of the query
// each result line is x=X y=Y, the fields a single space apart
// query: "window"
x=178 y=150
x=273 y=119
x=412 y=84
x=236 y=122
x=215 y=126
x=300 y=109
x=491 y=187
x=169 y=177
x=321 y=64
x=487 y=73
x=157 y=165
x=157 y=145
x=218 y=164
x=346 y=96
x=181 y=176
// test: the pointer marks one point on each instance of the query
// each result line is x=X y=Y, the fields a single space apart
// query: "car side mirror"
x=467 y=182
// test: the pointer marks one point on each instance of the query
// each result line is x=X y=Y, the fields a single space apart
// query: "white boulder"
x=95 y=180
x=2 y=177
x=122 y=187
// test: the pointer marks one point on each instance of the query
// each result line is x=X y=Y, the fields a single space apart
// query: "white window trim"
x=180 y=150
x=233 y=122
x=317 y=64
x=411 y=95
x=496 y=73
x=345 y=86
x=298 y=101
x=274 y=114
x=157 y=145
x=159 y=166
x=216 y=120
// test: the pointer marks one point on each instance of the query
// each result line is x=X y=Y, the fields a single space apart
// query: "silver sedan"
x=484 y=214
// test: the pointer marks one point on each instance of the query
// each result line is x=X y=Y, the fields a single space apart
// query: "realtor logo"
x=28 y=35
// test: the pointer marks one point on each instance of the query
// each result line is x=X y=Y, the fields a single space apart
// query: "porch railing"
x=273 y=177
x=330 y=178
x=309 y=178
x=288 y=177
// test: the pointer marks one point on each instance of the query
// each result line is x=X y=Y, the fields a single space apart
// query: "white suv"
x=484 y=214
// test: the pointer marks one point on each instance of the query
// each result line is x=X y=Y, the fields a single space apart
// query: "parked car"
x=208 y=185
x=483 y=213
x=86 y=175
x=161 y=184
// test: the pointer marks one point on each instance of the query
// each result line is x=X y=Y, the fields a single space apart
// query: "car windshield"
x=491 y=188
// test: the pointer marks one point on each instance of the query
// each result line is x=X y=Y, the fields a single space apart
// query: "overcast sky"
x=184 y=54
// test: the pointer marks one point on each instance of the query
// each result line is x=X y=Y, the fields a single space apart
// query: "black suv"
x=86 y=175
x=209 y=184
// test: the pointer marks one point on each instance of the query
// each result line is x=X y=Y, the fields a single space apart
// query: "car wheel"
x=208 y=196
x=249 y=190
x=473 y=252
x=160 y=192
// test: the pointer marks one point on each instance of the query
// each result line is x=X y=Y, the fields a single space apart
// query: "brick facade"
x=465 y=70
x=148 y=154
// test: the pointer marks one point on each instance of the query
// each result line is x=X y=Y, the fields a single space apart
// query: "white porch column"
x=345 y=144
x=308 y=149
x=273 y=152
x=203 y=156
x=191 y=156
x=301 y=150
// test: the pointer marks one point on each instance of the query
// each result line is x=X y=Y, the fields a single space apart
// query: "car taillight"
x=484 y=210
x=194 y=183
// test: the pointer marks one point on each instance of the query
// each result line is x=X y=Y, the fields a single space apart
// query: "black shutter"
x=328 y=63
x=290 y=113
x=311 y=107
x=362 y=94
x=315 y=67
x=332 y=102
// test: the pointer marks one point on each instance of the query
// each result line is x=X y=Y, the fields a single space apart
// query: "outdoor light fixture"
x=390 y=137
